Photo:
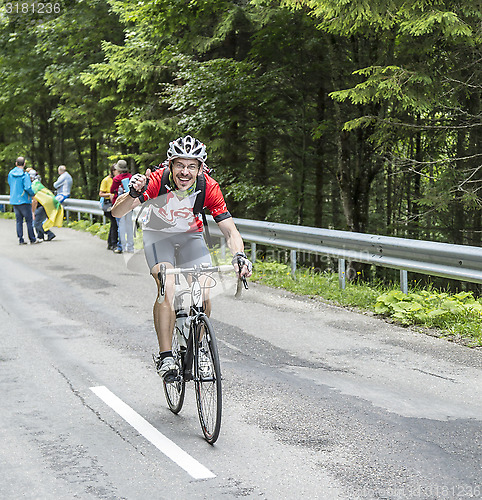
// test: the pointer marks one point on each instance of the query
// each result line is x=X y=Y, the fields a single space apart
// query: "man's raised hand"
x=138 y=184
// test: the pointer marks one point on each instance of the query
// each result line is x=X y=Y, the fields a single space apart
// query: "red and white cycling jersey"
x=169 y=213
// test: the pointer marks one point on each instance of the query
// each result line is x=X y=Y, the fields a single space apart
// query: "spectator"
x=21 y=199
x=47 y=209
x=120 y=185
x=63 y=184
x=104 y=193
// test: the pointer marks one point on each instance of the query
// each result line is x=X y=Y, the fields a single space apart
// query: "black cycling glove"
x=132 y=191
x=241 y=259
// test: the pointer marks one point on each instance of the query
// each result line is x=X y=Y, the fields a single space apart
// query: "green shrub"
x=309 y=282
x=7 y=215
x=459 y=314
x=96 y=229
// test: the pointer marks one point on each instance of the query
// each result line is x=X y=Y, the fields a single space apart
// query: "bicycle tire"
x=175 y=390
x=207 y=383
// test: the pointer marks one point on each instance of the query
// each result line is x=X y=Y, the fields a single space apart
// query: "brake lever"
x=242 y=278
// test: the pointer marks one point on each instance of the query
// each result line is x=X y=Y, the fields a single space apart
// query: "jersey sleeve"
x=214 y=200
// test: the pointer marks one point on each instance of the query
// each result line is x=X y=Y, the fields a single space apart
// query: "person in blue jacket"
x=21 y=194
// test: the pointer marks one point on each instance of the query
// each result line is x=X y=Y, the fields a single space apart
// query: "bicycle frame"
x=196 y=307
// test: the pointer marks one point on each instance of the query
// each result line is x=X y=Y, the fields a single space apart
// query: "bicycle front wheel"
x=175 y=389
x=207 y=379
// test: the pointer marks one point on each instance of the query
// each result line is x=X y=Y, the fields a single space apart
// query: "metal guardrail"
x=460 y=262
x=90 y=207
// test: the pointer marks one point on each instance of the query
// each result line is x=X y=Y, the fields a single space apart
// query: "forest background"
x=356 y=115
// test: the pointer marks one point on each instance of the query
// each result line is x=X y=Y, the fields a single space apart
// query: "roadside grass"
x=457 y=317
x=314 y=284
x=7 y=215
x=100 y=230
x=96 y=229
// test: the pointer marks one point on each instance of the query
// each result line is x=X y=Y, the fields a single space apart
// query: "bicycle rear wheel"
x=207 y=380
x=176 y=389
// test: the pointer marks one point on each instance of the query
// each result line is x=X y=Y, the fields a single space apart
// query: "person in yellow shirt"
x=104 y=193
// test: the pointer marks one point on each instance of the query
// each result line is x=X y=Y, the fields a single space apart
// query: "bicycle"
x=194 y=348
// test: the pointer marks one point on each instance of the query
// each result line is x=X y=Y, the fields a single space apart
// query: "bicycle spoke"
x=175 y=390
x=208 y=381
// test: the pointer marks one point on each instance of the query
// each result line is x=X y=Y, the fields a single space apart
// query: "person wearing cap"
x=63 y=184
x=120 y=185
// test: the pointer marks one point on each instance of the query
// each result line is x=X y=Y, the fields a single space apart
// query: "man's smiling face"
x=184 y=172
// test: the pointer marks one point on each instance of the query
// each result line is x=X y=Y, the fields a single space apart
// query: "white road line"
x=164 y=444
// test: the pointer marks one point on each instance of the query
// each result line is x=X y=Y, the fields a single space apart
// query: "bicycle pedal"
x=170 y=378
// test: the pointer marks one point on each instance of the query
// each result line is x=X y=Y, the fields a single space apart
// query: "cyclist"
x=176 y=192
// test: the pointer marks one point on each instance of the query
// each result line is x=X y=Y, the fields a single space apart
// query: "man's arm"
x=59 y=181
x=231 y=233
x=27 y=185
x=124 y=204
x=235 y=244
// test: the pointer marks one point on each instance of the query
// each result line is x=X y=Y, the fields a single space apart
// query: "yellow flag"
x=52 y=206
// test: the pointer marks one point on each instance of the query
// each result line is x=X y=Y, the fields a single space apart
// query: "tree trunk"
x=458 y=222
x=414 y=225
x=388 y=183
x=78 y=149
x=261 y=173
x=320 y=160
x=91 y=188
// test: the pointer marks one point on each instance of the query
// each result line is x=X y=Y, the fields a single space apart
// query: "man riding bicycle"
x=176 y=193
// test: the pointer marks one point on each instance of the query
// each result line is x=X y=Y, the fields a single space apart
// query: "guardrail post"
x=293 y=263
x=341 y=274
x=253 y=252
x=404 y=281
x=67 y=216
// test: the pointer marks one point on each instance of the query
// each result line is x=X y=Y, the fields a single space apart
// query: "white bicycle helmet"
x=187 y=147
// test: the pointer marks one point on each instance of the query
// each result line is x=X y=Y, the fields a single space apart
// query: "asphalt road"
x=319 y=402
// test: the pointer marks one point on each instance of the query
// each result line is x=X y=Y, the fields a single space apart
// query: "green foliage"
x=315 y=284
x=360 y=115
x=434 y=309
x=96 y=229
x=411 y=90
x=7 y=215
